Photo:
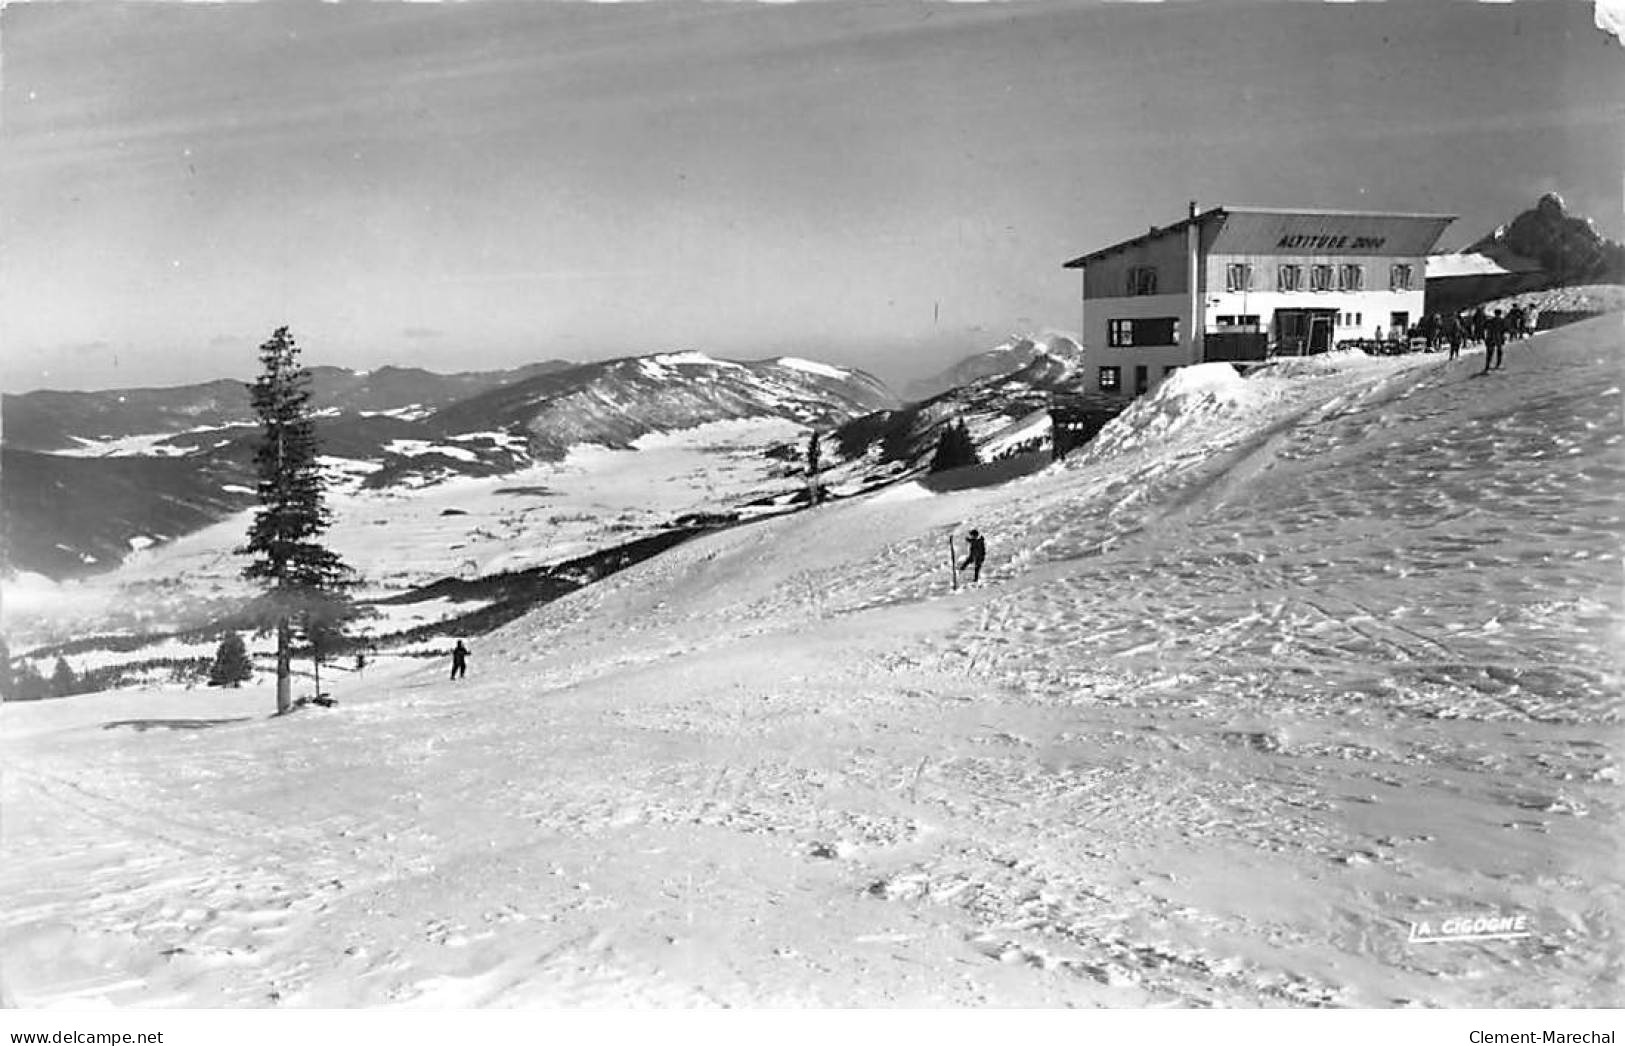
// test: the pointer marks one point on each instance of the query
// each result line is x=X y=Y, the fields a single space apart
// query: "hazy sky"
x=888 y=184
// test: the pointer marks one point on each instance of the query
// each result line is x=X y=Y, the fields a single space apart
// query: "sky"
x=891 y=185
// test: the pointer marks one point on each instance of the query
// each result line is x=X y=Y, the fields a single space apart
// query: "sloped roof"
x=1259 y=230
x=1154 y=233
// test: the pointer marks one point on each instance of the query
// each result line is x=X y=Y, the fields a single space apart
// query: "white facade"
x=1238 y=284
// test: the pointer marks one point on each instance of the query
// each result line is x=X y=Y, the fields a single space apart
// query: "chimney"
x=1193 y=289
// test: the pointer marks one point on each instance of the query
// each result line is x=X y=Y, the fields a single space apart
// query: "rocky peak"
x=1567 y=246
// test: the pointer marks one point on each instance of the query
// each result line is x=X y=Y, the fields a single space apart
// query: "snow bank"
x=1350 y=361
x=1189 y=398
x=899 y=492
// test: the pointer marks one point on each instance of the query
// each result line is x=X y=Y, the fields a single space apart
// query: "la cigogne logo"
x=1490 y=926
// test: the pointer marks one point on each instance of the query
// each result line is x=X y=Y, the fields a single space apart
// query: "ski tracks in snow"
x=1226 y=714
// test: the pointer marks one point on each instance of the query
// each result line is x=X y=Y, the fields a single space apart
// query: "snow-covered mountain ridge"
x=1004 y=411
x=87 y=483
x=93 y=422
x=614 y=403
x=1330 y=652
x=1009 y=356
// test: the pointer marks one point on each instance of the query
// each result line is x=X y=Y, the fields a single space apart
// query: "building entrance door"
x=1299 y=332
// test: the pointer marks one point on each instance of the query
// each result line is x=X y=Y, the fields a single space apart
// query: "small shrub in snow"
x=63 y=681
x=232 y=666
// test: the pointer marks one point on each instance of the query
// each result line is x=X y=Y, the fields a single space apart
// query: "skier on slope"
x=459 y=660
x=976 y=554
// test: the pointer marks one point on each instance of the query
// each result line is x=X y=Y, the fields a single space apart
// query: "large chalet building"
x=1244 y=283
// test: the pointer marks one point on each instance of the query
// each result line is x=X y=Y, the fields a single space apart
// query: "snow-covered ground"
x=1272 y=672
x=595 y=498
x=159 y=444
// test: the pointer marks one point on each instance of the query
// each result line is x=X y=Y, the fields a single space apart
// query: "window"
x=1399 y=278
x=1229 y=324
x=1111 y=379
x=1289 y=278
x=1125 y=334
x=1399 y=322
x=1238 y=276
x=1142 y=279
x=1351 y=278
x=1320 y=277
x=1142 y=380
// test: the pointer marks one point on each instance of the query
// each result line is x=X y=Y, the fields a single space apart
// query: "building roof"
x=1259 y=229
x=1145 y=237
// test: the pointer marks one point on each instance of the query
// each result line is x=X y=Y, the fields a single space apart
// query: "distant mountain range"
x=91 y=476
x=615 y=402
x=55 y=421
x=1005 y=358
x=1007 y=410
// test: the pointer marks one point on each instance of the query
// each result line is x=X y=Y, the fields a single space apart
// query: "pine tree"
x=955 y=448
x=283 y=540
x=28 y=684
x=63 y=681
x=7 y=680
x=232 y=666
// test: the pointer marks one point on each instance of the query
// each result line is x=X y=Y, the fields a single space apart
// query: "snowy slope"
x=1332 y=653
x=1005 y=358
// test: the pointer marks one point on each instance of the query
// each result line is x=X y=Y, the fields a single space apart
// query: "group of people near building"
x=1491 y=330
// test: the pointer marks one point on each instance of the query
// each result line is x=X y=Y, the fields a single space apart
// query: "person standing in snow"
x=459 y=660
x=1515 y=323
x=1452 y=333
x=977 y=546
x=1495 y=339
